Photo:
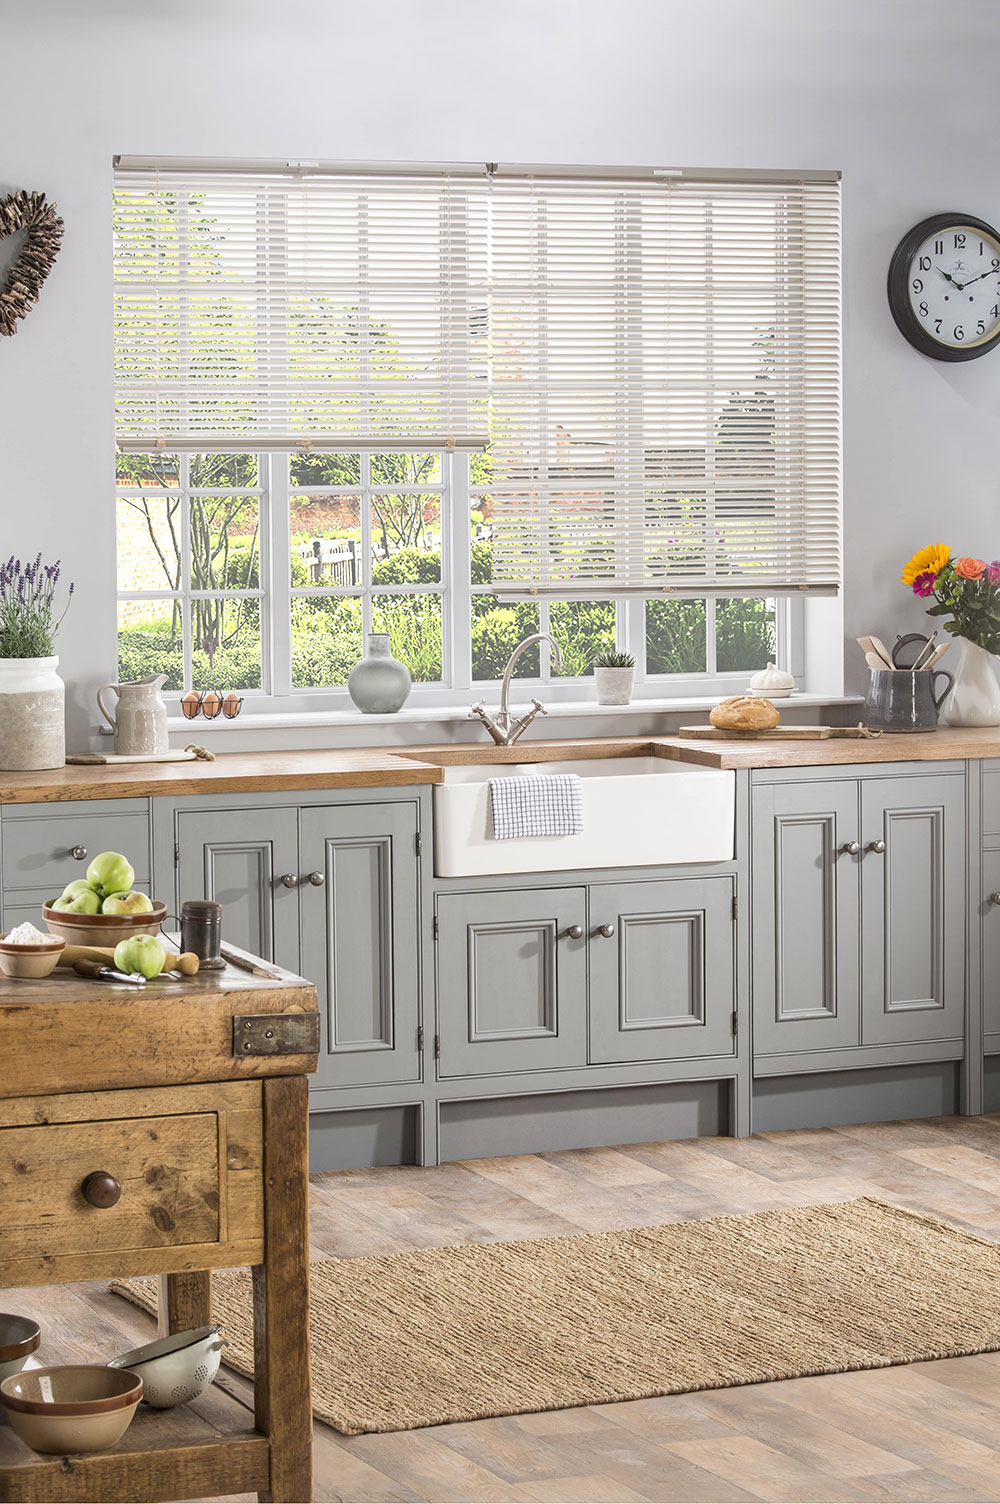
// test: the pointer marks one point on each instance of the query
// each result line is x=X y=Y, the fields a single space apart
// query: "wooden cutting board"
x=778 y=733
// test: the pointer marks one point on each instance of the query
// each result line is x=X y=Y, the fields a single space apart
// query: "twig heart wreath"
x=34 y=214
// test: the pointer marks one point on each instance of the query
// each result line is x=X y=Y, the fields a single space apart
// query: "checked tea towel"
x=549 y=804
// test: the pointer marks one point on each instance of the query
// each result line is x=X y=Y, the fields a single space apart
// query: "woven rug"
x=445 y=1334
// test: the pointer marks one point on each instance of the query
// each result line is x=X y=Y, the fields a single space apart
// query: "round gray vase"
x=379 y=684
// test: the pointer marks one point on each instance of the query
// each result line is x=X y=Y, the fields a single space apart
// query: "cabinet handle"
x=317 y=879
x=79 y=853
x=101 y=1189
x=851 y=849
x=995 y=898
x=290 y=880
x=877 y=846
x=607 y=930
x=575 y=932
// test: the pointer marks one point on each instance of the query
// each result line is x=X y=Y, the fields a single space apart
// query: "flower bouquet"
x=967 y=592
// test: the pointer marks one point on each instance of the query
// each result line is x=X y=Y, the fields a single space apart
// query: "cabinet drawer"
x=39 y=853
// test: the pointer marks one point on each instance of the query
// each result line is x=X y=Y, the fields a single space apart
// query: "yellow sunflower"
x=929 y=560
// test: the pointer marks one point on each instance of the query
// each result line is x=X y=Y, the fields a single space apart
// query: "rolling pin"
x=186 y=963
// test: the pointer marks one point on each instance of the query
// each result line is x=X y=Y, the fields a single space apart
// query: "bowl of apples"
x=103 y=908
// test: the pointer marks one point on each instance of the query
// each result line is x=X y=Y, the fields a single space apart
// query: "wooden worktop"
x=371 y=767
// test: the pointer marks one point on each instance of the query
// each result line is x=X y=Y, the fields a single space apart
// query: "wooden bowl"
x=102 y=929
x=76 y=1408
x=30 y=960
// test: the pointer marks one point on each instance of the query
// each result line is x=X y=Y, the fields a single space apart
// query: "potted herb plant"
x=32 y=695
x=967 y=592
x=614 y=675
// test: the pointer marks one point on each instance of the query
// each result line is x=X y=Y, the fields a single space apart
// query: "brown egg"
x=191 y=704
x=232 y=705
x=211 y=704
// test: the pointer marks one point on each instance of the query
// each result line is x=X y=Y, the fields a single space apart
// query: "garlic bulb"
x=772 y=681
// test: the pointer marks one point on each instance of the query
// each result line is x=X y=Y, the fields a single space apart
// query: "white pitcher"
x=140 y=725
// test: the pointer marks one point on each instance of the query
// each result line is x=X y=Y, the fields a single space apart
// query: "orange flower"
x=969 y=569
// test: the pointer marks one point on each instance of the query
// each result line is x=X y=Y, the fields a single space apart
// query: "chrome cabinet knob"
x=994 y=898
x=607 y=930
x=877 y=846
x=851 y=848
x=317 y=879
x=79 y=853
x=575 y=932
x=101 y=1189
x=290 y=880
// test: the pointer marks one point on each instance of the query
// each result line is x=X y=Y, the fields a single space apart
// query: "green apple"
x=110 y=873
x=81 y=903
x=143 y=953
x=80 y=885
x=127 y=903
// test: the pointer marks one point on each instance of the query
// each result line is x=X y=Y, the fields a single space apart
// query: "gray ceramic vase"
x=379 y=684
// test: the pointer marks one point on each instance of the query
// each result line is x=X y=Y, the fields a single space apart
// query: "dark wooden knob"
x=101 y=1189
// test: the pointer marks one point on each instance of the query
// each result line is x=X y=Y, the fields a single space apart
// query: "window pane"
x=582 y=629
x=326 y=640
x=496 y=631
x=675 y=637
x=326 y=540
x=406 y=539
x=225 y=543
x=406 y=469
x=147 y=470
x=149 y=542
x=325 y=469
x=413 y=623
x=235 y=470
x=150 y=641
x=745 y=634
x=226 y=644
x=480 y=516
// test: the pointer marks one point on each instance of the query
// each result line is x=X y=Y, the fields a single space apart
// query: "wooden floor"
x=929 y=1431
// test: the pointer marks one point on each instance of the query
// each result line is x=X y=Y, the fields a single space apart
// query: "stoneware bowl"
x=175 y=1369
x=29 y=961
x=102 y=929
x=76 y=1408
x=19 y=1336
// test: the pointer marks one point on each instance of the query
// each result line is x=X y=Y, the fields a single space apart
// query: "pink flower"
x=924 y=583
x=993 y=572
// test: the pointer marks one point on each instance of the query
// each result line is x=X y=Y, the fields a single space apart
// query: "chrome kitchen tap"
x=503 y=729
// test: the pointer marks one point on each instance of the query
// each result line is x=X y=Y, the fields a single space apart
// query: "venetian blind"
x=665 y=384
x=264 y=308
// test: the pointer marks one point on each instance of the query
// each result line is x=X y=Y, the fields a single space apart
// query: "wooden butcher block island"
x=190 y=1093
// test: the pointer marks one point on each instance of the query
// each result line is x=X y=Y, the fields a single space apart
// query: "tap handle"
x=478 y=709
x=538 y=707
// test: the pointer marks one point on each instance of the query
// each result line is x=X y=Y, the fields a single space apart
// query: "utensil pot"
x=901 y=700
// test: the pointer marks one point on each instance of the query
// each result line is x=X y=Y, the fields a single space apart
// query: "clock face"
x=944 y=287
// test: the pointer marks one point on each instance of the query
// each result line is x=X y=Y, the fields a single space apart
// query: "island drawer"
x=40 y=853
x=179 y=1169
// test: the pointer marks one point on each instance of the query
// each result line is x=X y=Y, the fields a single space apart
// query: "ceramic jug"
x=140 y=721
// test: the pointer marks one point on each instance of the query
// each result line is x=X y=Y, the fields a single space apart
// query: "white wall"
x=899 y=94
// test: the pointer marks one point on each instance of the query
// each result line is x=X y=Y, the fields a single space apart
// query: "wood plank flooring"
x=925 y=1432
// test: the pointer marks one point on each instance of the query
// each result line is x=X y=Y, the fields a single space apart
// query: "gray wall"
x=899 y=94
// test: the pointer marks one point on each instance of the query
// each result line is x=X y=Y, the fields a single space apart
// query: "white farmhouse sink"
x=637 y=811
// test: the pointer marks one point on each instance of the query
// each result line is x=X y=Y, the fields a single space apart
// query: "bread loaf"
x=741 y=713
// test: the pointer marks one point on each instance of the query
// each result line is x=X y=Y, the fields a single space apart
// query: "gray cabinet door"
x=360 y=939
x=805 y=938
x=662 y=985
x=512 y=983
x=913 y=909
x=238 y=857
x=990 y=911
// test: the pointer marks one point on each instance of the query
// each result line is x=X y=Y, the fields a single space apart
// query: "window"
x=462 y=408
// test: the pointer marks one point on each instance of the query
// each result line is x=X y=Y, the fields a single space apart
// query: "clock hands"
x=963 y=285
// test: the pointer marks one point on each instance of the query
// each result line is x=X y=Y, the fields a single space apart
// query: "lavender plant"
x=28 y=620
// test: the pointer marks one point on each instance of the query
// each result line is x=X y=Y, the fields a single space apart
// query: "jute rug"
x=444 y=1334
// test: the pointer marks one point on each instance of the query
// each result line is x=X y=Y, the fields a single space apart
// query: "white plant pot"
x=974 y=700
x=32 y=714
x=614 y=685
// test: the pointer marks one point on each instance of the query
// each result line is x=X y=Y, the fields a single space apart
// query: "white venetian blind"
x=665 y=383
x=262 y=308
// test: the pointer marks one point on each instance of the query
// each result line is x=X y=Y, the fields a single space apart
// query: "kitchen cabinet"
x=857 y=912
x=247 y=860
x=662 y=983
x=512 y=980
x=991 y=943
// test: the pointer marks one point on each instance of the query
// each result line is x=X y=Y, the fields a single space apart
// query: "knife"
x=108 y=973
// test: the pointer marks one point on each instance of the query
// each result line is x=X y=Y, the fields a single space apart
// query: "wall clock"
x=944 y=287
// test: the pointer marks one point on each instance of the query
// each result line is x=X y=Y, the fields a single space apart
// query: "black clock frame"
x=898 y=288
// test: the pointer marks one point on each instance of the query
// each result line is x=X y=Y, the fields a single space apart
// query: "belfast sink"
x=637 y=811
